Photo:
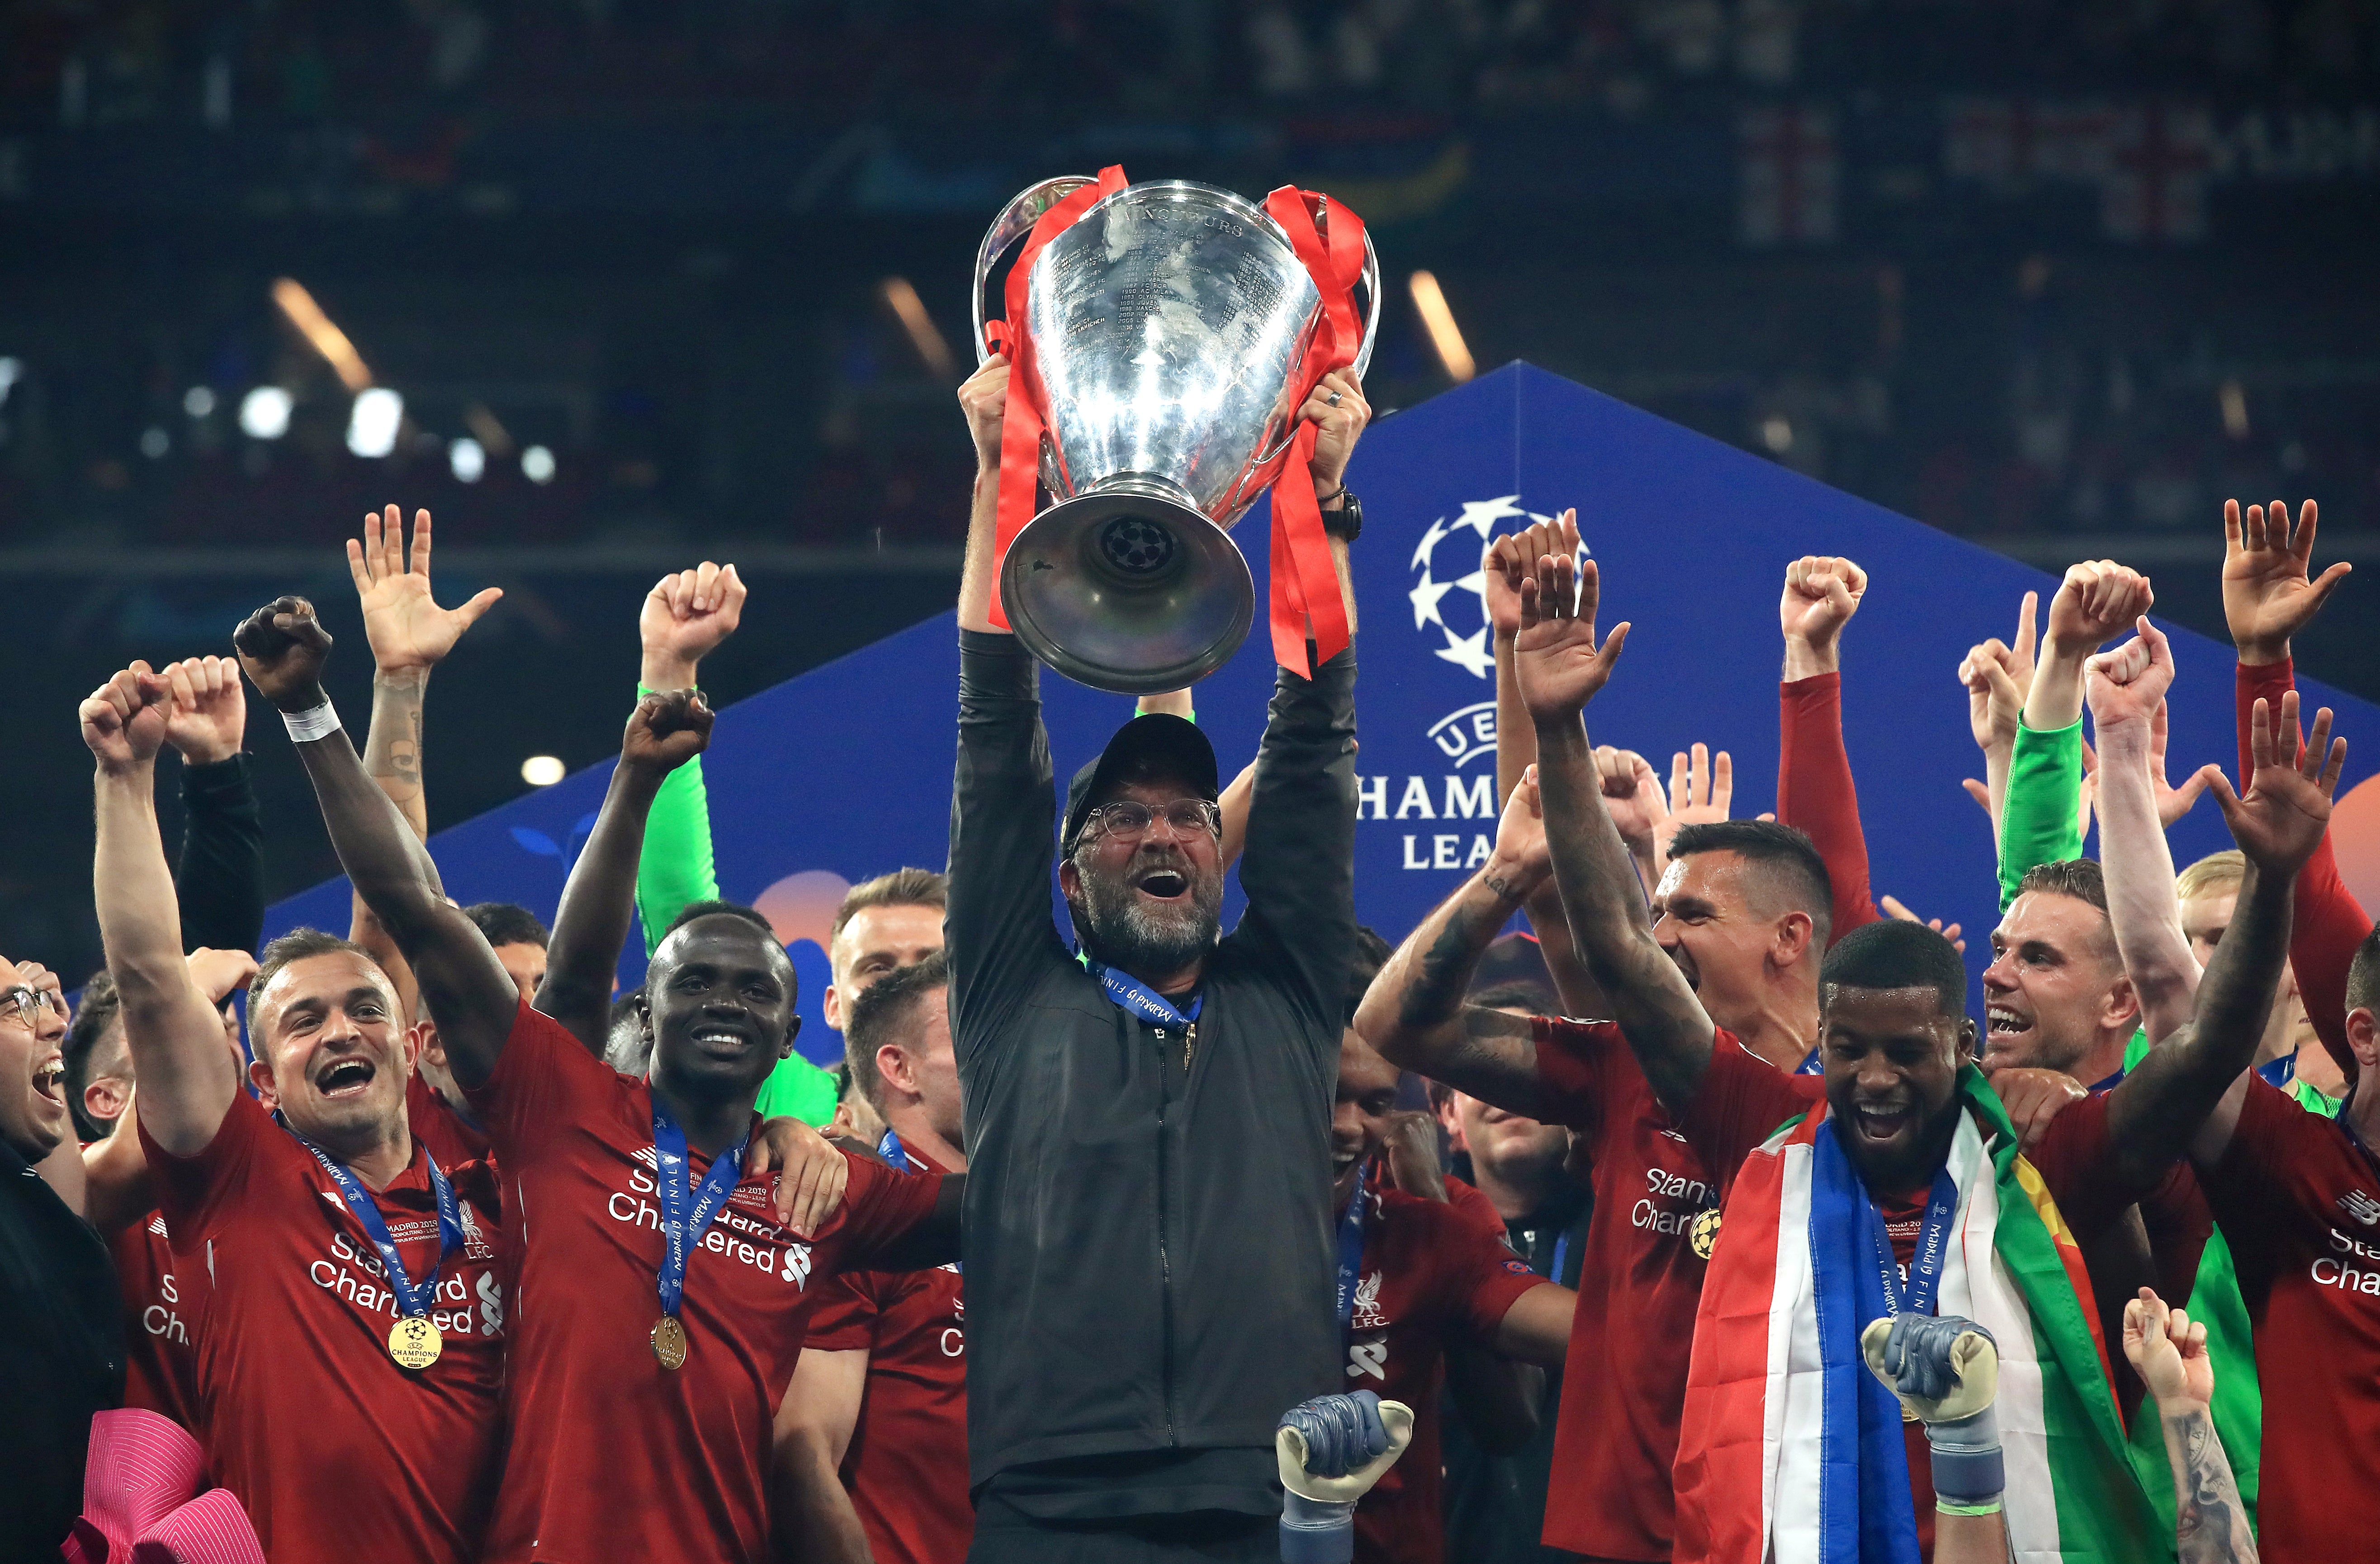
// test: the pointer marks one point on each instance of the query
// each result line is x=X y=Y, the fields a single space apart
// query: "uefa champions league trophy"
x=1162 y=344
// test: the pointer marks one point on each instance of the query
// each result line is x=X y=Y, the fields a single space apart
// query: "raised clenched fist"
x=282 y=649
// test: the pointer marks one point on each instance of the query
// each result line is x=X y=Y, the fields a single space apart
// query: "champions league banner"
x=845 y=773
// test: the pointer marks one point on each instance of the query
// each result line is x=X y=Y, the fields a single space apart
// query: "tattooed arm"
x=1414 y=1011
x=2170 y=1353
x=410 y=634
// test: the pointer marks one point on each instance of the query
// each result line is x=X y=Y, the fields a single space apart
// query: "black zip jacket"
x=1150 y=1254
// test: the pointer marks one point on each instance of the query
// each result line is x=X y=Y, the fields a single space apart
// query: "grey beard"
x=1118 y=930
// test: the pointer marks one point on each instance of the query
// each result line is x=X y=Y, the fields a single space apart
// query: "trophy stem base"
x=1126 y=590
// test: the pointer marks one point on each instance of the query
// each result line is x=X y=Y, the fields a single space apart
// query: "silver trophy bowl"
x=1167 y=323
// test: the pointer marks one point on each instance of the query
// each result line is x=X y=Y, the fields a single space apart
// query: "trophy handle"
x=1372 y=303
x=1014 y=222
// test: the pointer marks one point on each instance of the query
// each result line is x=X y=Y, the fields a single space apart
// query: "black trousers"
x=1004 y=1535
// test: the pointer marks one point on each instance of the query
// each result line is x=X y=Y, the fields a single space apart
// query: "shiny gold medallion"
x=669 y=1342
x=1704 y=1234
x=414 y=1343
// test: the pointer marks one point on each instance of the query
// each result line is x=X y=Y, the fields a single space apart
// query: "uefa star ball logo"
x=1431 y=597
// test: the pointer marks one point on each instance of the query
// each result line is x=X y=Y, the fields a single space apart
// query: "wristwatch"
x=1346 y=523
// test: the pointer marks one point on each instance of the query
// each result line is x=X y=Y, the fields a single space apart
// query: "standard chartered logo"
x=1671 y=1204
x=744 y=1240
x=451 y=1301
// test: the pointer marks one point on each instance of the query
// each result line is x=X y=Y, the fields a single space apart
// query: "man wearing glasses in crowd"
x=59 y=1313
x=1148 y=1235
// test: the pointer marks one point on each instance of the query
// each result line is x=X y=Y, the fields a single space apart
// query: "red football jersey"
x=1640 y=1282
x=160 y=1356
x=1430 y=1279
x=613 y=1456
x=906 y=1467
x=334 y=1451
x=2299 y=1203
x=435 y=1124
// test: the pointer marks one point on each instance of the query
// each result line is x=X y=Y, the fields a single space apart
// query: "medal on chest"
x=414 y=1343
x=686 y=1217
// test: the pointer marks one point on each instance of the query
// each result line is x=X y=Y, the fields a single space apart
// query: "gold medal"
x=414 y=1343
x=669 y=1342
x=1703 y=1236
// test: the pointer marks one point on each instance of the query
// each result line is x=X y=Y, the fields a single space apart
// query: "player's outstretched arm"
x=2127 y=690
x=1415 y=1013
x=2169 y=1350
x=2185 y=1096
x=410 y=635
x=1561 y=665
x=665 y=732
x=283 y=648
x=187 y=1077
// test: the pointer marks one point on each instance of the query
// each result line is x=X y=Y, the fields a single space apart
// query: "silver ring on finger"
x=1335 y=398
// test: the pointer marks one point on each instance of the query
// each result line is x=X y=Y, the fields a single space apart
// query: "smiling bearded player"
x=663 y=1293
x=1891 y=1198
x=352 y=1337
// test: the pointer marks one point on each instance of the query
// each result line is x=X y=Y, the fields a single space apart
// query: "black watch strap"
x=1346 y=522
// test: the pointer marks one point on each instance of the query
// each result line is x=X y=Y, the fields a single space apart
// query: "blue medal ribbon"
x=1915 y=1296
x=413 y=1299
x=893 y=1151
x=1147 y=1004
x=1351 y=1255
x=1811 y=1064
x=683 y=1228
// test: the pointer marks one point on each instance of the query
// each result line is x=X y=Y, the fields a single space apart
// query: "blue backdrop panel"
x=843 y=772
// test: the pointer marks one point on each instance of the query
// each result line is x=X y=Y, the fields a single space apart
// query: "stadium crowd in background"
x=1701 y=1222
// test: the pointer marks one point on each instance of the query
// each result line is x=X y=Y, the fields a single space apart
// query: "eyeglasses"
x=23 y=1006
x=1128 y=820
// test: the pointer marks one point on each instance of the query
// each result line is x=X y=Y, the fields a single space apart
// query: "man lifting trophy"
x=1150 y=1266
x=1161 y=338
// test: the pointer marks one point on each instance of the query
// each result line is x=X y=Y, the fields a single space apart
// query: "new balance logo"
x=1368 y=1358
x=2360 y=1207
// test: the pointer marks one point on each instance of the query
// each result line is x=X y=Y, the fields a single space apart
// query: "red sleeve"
x=879 y=1207
x=1487 y=1277
x=2248 y=1185
x=1815 y=792
x=191 y=1190
x=2329 y=923
x=1574 y=1063
x=544 y=1082
x=844 y=1318
x=1474 y=1208
x=2079 y=1166
x=1742 y=1100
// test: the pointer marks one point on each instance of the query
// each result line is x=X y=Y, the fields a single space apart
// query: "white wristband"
x=315 y=722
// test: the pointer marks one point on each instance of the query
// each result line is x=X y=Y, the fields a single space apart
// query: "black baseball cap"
x=1154 y=743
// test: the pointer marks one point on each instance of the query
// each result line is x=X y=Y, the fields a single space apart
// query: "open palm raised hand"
x=406 y=627
x=1560 y=664
x=2281 y=819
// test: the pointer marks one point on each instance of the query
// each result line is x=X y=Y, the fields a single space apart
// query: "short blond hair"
x=902 y=888
x=2212 y=875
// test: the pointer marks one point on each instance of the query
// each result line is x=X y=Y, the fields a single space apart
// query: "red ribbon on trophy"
x=1304 y=582
x=1020 y=425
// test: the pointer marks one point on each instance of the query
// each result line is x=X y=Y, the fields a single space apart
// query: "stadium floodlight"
x=924 y=335
x=542 y=770
x=537 y=464
x=155 y=443
x=468 y=459
x=264 y=413
x=317 y=328
x=199 y=401
x=1439 y=322
x=372 y=426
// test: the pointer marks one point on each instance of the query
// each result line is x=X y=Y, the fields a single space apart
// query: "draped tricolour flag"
x=1788 y=1449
